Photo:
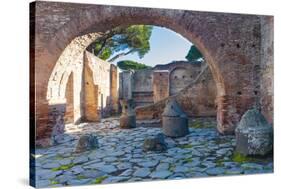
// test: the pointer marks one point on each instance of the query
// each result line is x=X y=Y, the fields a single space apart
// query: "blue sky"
x=165 y=46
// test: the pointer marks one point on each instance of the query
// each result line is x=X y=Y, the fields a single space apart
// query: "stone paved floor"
x=120 y=157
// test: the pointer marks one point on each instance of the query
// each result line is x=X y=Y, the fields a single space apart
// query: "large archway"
x=226 y=48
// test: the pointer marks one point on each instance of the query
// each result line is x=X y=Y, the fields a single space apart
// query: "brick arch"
x=68 y=61
x=115 y=21
x=212 y=33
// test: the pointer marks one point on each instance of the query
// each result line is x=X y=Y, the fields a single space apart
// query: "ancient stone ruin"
x=254 y=135
x=128 y=116
x=175 y=122
x=233 y=55
x=156 y=143
x=148 y=87
x=140 y=117
x=86 y=143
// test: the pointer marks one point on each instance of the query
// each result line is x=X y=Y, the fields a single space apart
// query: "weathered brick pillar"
x=230 y=110
x=160 y=85
x=267 y=67
x=226 y=123
x=114 y=89
x=90 y=111
x=69 y=112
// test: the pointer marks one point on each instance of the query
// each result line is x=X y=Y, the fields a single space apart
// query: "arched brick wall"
x=230 y=44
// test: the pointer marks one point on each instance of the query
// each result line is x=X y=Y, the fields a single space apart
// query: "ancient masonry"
x=150 y=88
x=72 y=85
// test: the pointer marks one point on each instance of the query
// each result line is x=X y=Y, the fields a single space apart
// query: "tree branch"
x=105 y=37
x=120 y=55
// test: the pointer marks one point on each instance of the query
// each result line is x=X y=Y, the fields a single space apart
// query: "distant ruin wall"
x=142 y=91
x=197 y=98
x=150 y=86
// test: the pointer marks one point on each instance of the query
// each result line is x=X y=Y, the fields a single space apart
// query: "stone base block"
x=127 y=122
x=175 y=126
x=254 y=142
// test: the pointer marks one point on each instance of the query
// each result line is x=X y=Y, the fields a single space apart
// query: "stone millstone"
x=254 y=135
x=155 y=144
x=128 y=116
x=85 y=143
x=175 y=121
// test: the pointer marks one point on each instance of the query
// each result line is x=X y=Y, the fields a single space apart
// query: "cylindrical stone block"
x=175 y=126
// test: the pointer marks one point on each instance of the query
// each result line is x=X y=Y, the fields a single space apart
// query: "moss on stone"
x=188 y=160
x=172 y=168
x=79 y=177
x=63 y=167
x=240 y=158
x=219 y=162
x=99 y=180
x=209 y=125
x=58 y=157
x=196 y=124
x=186 y=146
x=54 y=182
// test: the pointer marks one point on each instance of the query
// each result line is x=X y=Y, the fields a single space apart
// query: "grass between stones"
x=58 y=157
x=240 y=158
x=188 y=160
x=79 y=177
x=99 y=180
x=63 y=167
x=186 y=146
x=54 y=182
x=219 y=162
x=198 y=124
x=171 y=167
x=195 y=124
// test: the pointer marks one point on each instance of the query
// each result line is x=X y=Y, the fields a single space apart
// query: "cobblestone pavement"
x=120 y=157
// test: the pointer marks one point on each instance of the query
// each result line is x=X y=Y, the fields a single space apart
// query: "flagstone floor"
x=120 y=157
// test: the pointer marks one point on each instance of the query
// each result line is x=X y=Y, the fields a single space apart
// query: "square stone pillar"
x=125 y=84
x=90 y=94
x=160 y=83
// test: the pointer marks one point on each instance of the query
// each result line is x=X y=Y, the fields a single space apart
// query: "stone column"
x=126 y=83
